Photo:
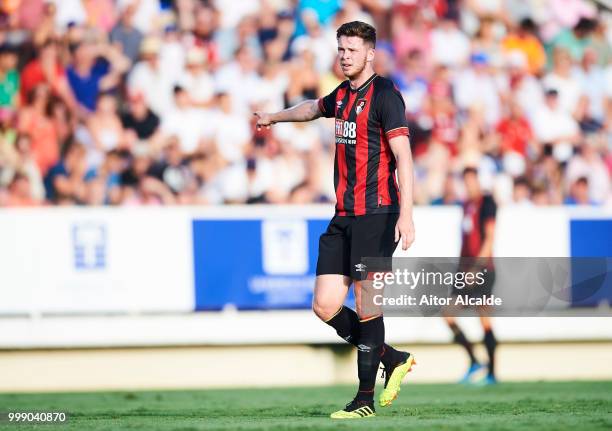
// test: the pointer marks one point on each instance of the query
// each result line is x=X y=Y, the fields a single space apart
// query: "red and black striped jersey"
x=364 y=166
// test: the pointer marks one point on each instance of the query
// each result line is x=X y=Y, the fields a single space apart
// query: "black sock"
x=490 y=343
x=346 y=324
x=390 y=357
x=371 y=340
x=459 y=338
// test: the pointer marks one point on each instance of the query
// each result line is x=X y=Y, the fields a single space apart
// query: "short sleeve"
x=489 y=208
x=392 y=112
x=327 y=104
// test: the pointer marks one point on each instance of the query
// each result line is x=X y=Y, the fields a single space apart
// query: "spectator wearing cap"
x=149 y=78
x=196 y=80
x=126 y=35
x=96 y=67
x=9 y=77
x=476 y=87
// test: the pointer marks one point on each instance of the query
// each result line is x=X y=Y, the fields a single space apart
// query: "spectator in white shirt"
x=233 y=132
x=240 y=80
x=476 y=87
x=591 y=79
x=554 y=125
x=184 y=122
x=562 y=80
x=151 y=79
x=450 y=46
x=196 y=80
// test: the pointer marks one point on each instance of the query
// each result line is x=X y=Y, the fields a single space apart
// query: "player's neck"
x=362 y=78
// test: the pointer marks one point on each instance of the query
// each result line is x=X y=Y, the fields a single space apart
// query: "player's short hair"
x=470 y=170
x=358 y=29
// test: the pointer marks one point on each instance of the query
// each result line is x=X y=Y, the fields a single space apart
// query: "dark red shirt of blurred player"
x=476 y=214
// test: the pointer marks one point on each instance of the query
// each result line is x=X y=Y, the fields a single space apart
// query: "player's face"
x=354 y=55
x=472 y=186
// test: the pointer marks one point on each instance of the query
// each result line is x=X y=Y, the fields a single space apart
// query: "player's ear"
x=370 y=54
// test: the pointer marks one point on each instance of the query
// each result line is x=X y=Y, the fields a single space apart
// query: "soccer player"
x=372 y=211
x=478 y=225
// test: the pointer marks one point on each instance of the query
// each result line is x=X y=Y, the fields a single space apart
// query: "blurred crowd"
x=150 y=102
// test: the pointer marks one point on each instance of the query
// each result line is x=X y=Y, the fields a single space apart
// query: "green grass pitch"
x=507 y=406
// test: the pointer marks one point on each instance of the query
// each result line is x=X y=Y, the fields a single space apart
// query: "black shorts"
x=348 y=239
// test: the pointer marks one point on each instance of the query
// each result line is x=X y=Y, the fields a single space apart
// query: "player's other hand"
x=263 y=120
x=404 y=229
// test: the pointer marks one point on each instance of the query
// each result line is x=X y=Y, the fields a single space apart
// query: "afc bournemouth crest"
x=360 y=105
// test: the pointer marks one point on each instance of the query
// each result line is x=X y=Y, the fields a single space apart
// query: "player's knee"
x=323 y=310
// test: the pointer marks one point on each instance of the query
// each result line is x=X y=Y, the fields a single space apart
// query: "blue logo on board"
x=89 y=246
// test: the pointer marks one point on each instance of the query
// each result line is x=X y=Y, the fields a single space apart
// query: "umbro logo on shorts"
x=360 y=267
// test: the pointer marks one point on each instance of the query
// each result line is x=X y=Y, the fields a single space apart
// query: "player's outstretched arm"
x=305 y=111
x=400 y=146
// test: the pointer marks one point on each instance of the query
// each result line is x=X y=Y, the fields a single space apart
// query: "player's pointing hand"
x=404 y=229
x=263 y=120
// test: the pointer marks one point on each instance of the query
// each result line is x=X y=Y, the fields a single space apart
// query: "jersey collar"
x=365 y=84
